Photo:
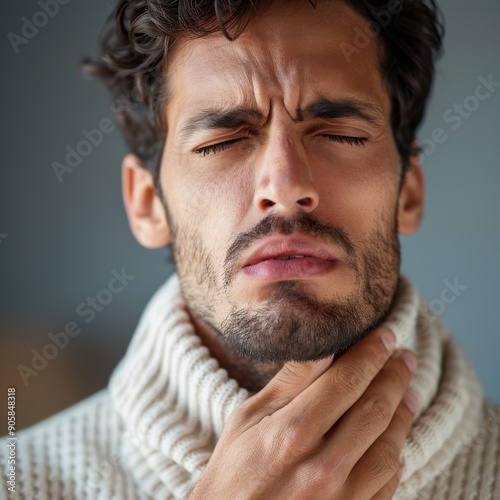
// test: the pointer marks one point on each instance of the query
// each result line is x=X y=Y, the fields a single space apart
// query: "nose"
x=285 y=182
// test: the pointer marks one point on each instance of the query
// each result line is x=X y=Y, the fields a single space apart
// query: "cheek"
x=355 y=195
x=212 y=204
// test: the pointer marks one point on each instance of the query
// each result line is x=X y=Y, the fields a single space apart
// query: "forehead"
x=290 y=53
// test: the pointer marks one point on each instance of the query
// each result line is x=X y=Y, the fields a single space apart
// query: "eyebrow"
x=210 y=119
x=326 y=109
x=331 y=110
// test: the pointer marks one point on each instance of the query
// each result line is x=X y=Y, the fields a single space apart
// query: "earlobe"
x=144 y=209
x=411 y=199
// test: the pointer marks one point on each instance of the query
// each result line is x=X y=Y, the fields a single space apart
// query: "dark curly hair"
x=135 y=39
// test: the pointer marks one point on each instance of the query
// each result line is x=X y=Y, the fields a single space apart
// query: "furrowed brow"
x=330 y=110
x=211 y=119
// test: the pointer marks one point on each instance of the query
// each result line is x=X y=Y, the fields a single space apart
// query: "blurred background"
x=61 y=239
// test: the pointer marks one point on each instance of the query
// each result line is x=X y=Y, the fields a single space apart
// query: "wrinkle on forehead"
x=289 y=56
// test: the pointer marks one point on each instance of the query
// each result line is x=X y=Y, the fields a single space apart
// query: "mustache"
x=274 y=224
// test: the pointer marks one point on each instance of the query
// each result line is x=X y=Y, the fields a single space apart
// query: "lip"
x=306 y=267
x=281 y=246
x=318 y=258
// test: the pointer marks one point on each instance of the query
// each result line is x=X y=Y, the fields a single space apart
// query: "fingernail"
x=400 y=472
x=411 y=402
x=410 y=360
x=388 y=339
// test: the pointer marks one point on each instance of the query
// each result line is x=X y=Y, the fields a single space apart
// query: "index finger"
x=321 y=404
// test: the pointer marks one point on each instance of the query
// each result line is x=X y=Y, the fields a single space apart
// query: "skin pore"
x=277 y=133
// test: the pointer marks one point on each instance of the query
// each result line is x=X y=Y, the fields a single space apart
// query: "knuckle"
x=233 y=421
x=348 y=379
x=238 y=416
x=284 y=441
x=387 y=459
x=290 y=371
x=315 y=477
x=242 y=415
x=322 y=472
x=291 y=436
x=377 y=409
x=253 y=404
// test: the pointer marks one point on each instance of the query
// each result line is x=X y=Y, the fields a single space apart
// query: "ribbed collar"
x=174 y=398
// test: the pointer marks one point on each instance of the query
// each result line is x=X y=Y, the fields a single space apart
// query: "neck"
x=250 y=374
x=169 y=387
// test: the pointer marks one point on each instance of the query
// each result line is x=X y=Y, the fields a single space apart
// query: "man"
x=273 y=146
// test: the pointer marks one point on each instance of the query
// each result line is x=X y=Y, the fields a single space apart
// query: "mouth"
x=289 y=268
x=289 y=258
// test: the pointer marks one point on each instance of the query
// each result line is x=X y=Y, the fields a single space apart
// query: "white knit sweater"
x=152 y=431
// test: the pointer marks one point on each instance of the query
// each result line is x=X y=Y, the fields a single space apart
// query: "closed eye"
x=221 y=146
x=216 y=148
x=345 y=139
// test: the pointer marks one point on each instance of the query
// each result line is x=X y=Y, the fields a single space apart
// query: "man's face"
x=299 y=150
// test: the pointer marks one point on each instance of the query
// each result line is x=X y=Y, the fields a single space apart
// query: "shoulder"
x=486 y=441
x=65 y=455
x=98 y=402
x=488 y=437
x=475 y=470
x=83 y=425
x=479 y=460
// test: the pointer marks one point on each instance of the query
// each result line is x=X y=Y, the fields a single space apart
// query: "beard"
x=292 y=325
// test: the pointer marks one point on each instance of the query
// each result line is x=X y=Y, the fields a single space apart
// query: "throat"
x=250 y=374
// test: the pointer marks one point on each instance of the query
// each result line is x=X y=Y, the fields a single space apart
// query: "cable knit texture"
x=152 y=431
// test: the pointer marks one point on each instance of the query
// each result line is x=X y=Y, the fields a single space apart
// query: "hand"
x=318 y=430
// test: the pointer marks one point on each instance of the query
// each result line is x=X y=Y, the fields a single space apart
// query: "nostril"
x=305 y=201
x=268 y=203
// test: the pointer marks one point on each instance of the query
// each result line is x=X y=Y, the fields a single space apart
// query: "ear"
x=145 y=211
x=411 y=198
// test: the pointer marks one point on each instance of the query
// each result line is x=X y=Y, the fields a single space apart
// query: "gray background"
x=64 y=239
